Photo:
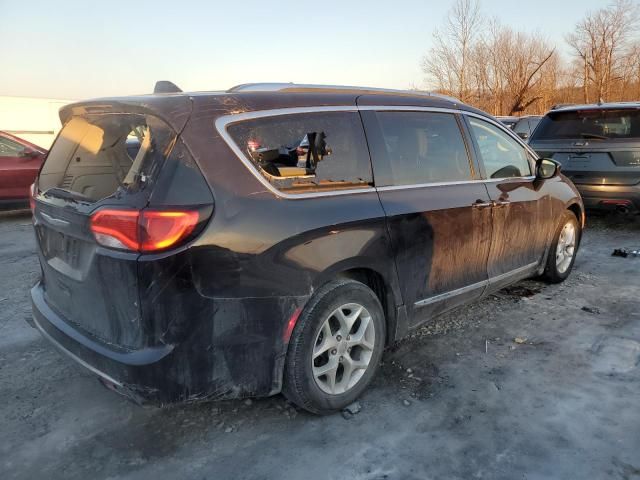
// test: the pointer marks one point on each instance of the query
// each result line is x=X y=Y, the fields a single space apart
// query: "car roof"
x=597 y=106
x=175 y=106
x=313 y=88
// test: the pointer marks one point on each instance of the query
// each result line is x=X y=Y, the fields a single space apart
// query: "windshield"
x=597 y=124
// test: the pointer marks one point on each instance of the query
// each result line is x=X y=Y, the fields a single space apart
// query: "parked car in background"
x=525 y=126
x=522 y=126
x=228 y=244
x=509 y=121
x=598 y=147
x=19 y=164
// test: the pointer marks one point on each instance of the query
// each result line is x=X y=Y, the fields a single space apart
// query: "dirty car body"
x=209 y=312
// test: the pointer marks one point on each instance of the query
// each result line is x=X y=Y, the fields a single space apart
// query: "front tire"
x=335 y=347
x=564 y=247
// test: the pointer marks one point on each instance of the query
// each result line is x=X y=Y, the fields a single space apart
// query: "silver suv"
x=599 y=149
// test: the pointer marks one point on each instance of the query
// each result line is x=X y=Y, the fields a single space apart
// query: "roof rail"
x=297 y=87
x=558 y=106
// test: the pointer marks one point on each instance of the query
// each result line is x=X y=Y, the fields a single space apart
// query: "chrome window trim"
x=223 y=122
x=411 y=186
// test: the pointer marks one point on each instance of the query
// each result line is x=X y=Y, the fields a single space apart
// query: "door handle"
x=479 y=204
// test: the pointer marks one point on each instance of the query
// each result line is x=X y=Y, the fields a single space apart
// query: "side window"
x=9 y=148
x=423 y=147
x=301 y=153
x=522 y=127
x=503 y=157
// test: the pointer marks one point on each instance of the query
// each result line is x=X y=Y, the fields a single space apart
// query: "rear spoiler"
x=175 y=110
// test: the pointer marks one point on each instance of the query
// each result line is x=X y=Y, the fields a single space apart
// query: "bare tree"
x=448 y=63
x=523 y=69
x=503 y=71
x=629 y=73
x=601 y=41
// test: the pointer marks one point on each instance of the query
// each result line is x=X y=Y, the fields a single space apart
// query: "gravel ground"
x=537 y=381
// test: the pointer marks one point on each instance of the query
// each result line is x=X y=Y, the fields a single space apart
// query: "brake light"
x=116 y=228
x=142 y=231
x=163 y=229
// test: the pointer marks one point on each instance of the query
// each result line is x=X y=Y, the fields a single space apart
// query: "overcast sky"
x=79 y=49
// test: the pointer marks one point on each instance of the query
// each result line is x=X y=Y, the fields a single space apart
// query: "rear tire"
x=335 y=348
x=562 y=253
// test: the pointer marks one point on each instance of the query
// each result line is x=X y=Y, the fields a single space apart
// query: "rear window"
x=97 y=156
x=307 y=152
x=590 y=124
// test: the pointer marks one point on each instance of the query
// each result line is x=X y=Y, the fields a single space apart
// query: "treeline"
x=507 y=72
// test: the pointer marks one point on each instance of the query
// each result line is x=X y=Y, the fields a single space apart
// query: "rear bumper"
x=611 y=196
x=120 y=370
x=199 y=368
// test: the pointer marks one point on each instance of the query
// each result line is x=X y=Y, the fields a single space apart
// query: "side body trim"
x=451 y=294
x=475 y=286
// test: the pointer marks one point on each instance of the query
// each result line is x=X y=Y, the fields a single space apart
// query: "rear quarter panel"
x=258 y=261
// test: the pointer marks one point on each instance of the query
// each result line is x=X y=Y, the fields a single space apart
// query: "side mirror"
x=547 y=168
x=29 y=153
x=523 y=135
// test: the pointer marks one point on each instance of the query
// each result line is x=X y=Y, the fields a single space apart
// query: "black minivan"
x=276 y=237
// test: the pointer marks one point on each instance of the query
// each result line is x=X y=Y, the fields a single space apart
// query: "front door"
x=520 y=211
x=438 y=211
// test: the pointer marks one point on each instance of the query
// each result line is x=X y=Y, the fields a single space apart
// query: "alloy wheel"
x=343 y=348
x=566 y=247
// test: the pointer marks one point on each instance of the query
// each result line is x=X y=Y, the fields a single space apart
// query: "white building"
x=34 y=119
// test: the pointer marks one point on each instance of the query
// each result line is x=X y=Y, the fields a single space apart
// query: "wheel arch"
x=578 y=210
x=381 y=283
x=376 y=282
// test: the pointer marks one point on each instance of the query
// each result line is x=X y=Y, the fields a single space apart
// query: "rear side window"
x=501 y=155
x=301 y=153
x=423 y=147
x=596 y=124
x=522 y=127
x=96 y=156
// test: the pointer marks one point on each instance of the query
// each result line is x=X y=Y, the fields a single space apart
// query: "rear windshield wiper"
x=594 y=136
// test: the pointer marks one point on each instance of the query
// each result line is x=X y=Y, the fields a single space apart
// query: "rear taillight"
x=143 y=231
x=160 y=230
x=117 y=228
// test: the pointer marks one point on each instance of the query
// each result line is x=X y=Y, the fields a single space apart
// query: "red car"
x=19 y=164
